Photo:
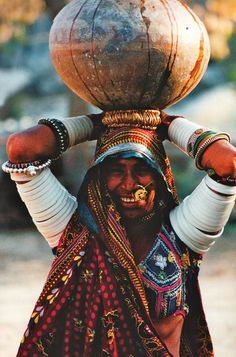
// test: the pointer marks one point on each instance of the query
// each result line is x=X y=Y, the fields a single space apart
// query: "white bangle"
x=79 y=129
x=50 y=203
x=206 y=210
x=195 y=239
x=219 y=187
x=56 y=204
x=35 y=181
x=180 y=130
x=22 y=177
x=55 y=224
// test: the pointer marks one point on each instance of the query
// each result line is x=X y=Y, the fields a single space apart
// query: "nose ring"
x=140 y=193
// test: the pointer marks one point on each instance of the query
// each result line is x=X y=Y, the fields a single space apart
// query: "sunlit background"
x=30 y=89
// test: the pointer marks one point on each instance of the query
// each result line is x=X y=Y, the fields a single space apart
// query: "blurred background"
x=30 y=89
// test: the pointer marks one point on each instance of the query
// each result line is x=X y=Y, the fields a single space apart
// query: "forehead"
x=129 y=163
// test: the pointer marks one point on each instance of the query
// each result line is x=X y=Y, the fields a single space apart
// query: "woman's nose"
x=129 y=182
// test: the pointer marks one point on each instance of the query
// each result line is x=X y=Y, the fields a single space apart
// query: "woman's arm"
x=199 y=220
x=37 y=142
x=43 y=140
x=49 y=203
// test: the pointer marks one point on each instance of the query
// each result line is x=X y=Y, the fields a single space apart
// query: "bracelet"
x=228 y=181
x=22 y=165
x=202 y=146
x=192 y=141
x=200 y=139
x=27 y=168
x=61 y=134
x=196 y=138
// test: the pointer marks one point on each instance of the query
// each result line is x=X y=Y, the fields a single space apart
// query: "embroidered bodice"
x=165 y=271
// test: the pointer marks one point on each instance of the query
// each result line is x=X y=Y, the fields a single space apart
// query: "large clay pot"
x=129 y=54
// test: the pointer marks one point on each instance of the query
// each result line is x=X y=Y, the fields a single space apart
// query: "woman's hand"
x=166 y=119
x=32 y=144
x=221 y=157
x=98 y=127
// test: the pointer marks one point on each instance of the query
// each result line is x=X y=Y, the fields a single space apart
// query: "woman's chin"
x=131 y=213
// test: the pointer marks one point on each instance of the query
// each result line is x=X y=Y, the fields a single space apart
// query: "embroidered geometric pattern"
x=164 y=276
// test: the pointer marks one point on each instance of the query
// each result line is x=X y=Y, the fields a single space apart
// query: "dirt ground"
x=25 y=260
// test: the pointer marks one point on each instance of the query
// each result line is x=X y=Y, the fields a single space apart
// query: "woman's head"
x=143 y=145
x=131 y=171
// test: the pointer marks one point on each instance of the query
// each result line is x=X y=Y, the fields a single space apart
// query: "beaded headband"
x=114 y=138
x=142 y=118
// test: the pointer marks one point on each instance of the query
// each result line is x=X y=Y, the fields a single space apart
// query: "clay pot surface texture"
x=129 y=54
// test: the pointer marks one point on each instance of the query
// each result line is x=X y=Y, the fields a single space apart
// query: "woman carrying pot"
x=124 y=281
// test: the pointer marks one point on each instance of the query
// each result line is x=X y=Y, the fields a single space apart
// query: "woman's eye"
x=144 y=171
x=115 y=171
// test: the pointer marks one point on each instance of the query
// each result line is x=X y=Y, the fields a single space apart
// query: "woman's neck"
x=142 y=233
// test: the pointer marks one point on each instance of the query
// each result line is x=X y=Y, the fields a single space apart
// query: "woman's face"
x=123 y=178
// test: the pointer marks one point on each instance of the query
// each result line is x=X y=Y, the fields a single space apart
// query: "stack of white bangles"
x=200 y=218
x=49 y=204
x=79 y=129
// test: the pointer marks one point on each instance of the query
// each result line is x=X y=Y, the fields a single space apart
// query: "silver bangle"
x=192 y=140
x=30 y=170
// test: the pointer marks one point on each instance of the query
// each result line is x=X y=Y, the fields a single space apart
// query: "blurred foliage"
x=219 y=17
x=15 y=15
x=231 y=61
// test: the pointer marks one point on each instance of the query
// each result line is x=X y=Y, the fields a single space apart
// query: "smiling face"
x=124 y=178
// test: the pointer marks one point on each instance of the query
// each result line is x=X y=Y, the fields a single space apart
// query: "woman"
x=124 y=280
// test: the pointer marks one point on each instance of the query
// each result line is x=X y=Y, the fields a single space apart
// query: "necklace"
x=142 y=219
x=147 y=217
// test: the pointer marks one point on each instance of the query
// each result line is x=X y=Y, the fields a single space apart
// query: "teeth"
x=127 y=199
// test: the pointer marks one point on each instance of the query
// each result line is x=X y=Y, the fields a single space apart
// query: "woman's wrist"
x=74 y=130
x=197 y=142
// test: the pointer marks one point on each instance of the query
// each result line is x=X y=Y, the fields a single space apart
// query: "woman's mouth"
x=127 y=199
x=130 y=199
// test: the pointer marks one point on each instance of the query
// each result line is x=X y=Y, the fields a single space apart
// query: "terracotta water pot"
x=129 y=54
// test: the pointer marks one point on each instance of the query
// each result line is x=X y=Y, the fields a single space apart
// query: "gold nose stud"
x=140 y=193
